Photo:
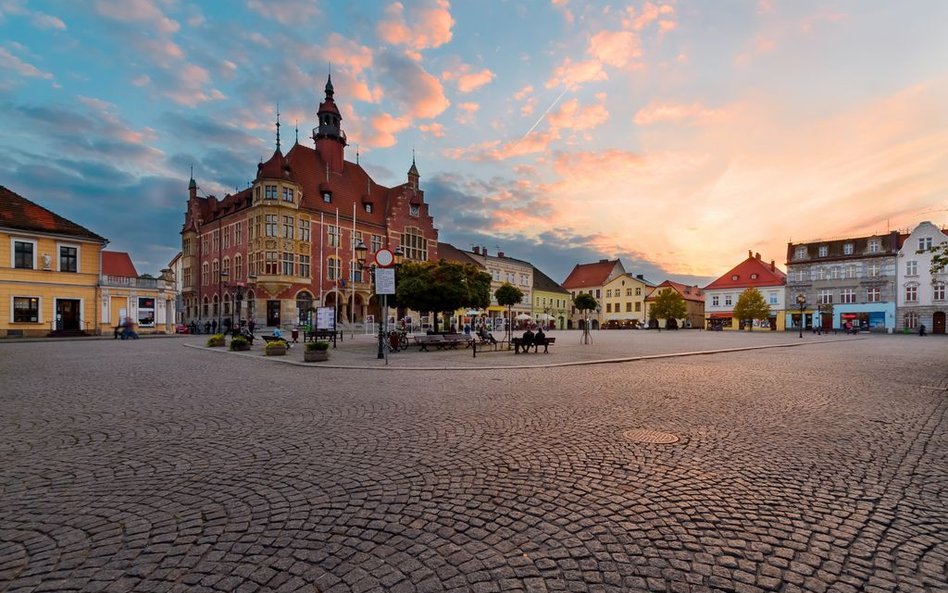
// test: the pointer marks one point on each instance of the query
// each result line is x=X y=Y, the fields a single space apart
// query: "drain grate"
x=650 y=436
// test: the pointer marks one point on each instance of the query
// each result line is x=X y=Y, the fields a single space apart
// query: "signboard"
x=325 y=318
x=384 y=281
x=384 y=258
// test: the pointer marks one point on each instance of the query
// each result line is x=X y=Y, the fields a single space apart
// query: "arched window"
x=214 y=306
x=215 y=271
x=911 y=320
x=238 y=268
x=226 y=303
x=205 y=269
x=205 y=305
x=225 y=267
x=304 y=301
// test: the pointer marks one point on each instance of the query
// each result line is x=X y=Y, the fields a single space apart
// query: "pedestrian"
x=251 y=325
x=214 y=326
x=921 y=330
x=128 y=331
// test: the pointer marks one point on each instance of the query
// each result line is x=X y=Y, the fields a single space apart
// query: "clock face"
x=384 y=258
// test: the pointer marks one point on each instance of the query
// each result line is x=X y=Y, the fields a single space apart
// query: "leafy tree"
x=939 y=257
x=585 y=302
x=508 y=295
x=751 y=305
x=442 y=287
x=668 y=304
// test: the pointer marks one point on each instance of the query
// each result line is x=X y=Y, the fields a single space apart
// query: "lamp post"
x=801 y=303
x=220 y=296
x=396 y=257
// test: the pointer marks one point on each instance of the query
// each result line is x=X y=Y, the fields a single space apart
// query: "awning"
x=720 y=315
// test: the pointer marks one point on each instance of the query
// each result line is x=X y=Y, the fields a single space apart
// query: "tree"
x=442 y=287
x=585 y=303
x=508 y=295
x=751 y=305
x=668 y=305
x=939 y=257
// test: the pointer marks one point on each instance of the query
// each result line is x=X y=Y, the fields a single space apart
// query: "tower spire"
x=296 y=128
x=278 y=126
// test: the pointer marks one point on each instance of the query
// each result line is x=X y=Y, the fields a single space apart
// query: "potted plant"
x=316 y=352
x=239 y=344
x=276 y=348
x=215 y=341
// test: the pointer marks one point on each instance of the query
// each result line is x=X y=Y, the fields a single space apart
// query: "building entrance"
x=67 y=314
x=273 y=313
x=938 y=322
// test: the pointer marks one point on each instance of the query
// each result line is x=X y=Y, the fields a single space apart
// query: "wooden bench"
x=452 y=341
x=519 y=345
x=424 y=341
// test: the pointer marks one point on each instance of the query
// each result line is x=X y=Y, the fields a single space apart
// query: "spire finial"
x=296 y=128
x=278 y=126
x=192 y=184
x=357 y=154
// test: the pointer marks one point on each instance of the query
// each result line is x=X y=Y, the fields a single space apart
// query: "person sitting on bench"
x=539 y=339
x=527 y=340
x=485 y=335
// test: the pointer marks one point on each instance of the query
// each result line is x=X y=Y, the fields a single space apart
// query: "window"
x=638 y=291
x=873 y=295
x=847 y=296
x=851 y=271
x=304 y=230
x=251 y=264
x=226 y=237
x=597 y=293
x=800 y=252
x=270 y=192
x=772 y=298
x=628 y=292
x=911 y=268
x=925 y=243
x=186 y=277
x=237 y=233
x=271 y=264
x=847 y=248
x=332 y=268
x=25 y=310
x=186 y=247
x=911 y=293
x=821 y=273
x=215 y=271
x=825 y=297
x=874 y=270
x=24 y=253
x=727 y=300
x=874 y=246
x=628 y=307
x=288 y=194
x=735 y=277
x=823 y=250
x=288 y=223
x=608 y=307
x=216 y=241
x=327 y=197
x=256 y=223
x=271 y=225
x=256 y=194
x=753 y=276
x=368 y=207
x=938 y=291
x=68 y=259
x=609 y=293
x=238 y=267
x=205 y=274
x=715 y=301
x=225 y=267
x=355 y=239
x=287 y=263
x=304 y=266
x=413 y=209
x=333 y=233
x=415 y=246
x=834 y=273
x=910 y=320
x=355 y=272
x=638 y=307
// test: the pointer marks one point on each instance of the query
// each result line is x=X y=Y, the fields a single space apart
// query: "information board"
x=384 y=281
x=325 y=318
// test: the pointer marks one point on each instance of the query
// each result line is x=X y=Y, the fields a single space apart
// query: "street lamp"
x=801 y=303
x=361 y=251
x=220 y=296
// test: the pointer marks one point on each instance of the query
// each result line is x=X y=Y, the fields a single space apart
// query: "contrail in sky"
x=552 y=105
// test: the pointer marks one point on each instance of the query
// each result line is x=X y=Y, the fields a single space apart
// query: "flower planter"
x=315 y=356
x=275 y=351
x=240 y=348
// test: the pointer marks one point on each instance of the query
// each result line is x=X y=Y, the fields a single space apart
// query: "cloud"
x=285 y=12
x=415 y=90
x=467 y=112
x=572 y=116
x=142 y=12
x=429 y=25
x=466 y=80
x=614 y=48
x=45 y=21
x=572 y=74
x=9 y=61
x=495 y=150
x=657 y=112
x=433 y=129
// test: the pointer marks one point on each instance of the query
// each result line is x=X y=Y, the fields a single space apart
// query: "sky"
x=673 y=135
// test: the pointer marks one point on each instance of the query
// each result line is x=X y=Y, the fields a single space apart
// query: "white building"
x=921 y=298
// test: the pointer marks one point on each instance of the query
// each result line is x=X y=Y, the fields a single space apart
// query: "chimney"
x=640 y=276
x=773 y=266
x=484 y=251
x=500 y=254
x=757 y=255
x=603 y=261
x=750 y=253
x=477 y=250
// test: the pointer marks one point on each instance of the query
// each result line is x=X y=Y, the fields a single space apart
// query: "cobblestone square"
x=814 y=464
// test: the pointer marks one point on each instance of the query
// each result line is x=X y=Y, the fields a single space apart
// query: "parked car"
x=181 y=329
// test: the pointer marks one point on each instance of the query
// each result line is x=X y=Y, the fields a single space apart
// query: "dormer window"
x=874 y=246
x=735 y=277
x=753 y=276
x=288 y=194
x=824 y=250
x=414 y=209
x=327 y=197
x=368 y=207
x=270 y=192
x=847 y=249
x=800 y=253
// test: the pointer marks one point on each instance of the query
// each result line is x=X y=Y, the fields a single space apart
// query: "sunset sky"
x=675 y=135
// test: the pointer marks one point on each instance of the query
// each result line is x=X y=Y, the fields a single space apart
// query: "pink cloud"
x=343 y=52
x=285 y=12
x=45 y=21
x=572 y=116
x=433 y=129
x=656 y=112
x=9 y=61
x=384 y=129
x=572 y=74
x=614 y=48
x=494 y=150
x=468 y=111
x=468 y=81
x=137 y=11
x=429 y=26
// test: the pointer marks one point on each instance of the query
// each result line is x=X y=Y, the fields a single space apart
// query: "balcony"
x=126 y=282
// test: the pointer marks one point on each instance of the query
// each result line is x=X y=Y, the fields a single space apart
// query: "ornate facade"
x=285 y=245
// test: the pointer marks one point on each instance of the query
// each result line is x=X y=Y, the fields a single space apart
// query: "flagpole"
x=338 y=264
x=352 y=299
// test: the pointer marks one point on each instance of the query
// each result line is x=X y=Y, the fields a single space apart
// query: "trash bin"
x=296 y=334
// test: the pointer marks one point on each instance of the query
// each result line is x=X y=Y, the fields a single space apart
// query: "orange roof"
x=752 y=272
x=689 y=293
x=587 y=275
x=118 y=263
x=16 y=212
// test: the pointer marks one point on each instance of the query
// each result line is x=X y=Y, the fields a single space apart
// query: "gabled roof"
x=586 y=275
x=689 y=293
x=750 y=273
x=449 y=252
x=16 y=212
x=118 y=263
x=543 y=282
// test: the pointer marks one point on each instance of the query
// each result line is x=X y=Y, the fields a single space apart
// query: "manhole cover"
x=650 y=436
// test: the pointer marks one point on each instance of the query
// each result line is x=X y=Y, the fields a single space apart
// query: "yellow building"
x=148 y=302
x=623 y=302
x=551 y=302
x=49 y=271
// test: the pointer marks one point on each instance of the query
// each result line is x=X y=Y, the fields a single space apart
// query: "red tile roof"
x=16 y=212
x=689 y=293
x=118 y=263
x=449 y=252
x=588 y=275
x=742 y=275
x=275 y=168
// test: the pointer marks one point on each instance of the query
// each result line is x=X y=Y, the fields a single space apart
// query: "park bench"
x=520 y=345
x=424 y=341
x=452 y=341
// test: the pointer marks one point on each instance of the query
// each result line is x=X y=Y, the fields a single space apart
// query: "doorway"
x=938 y=322
x=67 y=314
x=273 y=313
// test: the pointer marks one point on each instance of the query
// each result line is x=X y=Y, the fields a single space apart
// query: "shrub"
x=215 y=340
x=239 y=342
x=276 y=344
x=317 y=346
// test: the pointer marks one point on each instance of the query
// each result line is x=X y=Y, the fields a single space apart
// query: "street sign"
x=385 y=281
x=384 y=258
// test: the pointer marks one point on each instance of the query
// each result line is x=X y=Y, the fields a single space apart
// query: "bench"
x=269 y=339
x=520 y=345
x=452 y=341
x=424 y=341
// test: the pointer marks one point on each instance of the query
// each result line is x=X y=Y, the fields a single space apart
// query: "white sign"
x=384 y=281
x=384 y=258
x=325 y=318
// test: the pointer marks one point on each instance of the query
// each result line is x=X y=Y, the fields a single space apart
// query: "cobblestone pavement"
x=149 y=466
